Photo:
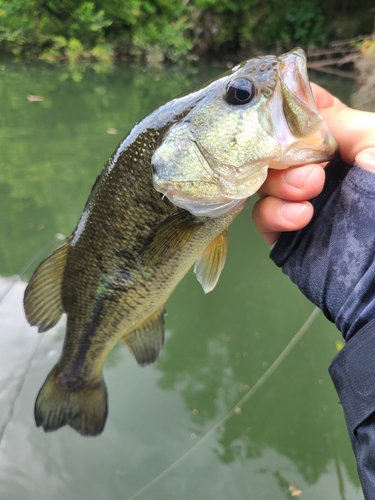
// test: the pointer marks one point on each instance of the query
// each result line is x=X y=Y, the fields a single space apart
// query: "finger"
x=353 y=130
x=294 y=184
x=322 y=97
x=272 y=216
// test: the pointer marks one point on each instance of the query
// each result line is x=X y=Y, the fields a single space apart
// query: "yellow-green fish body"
x=163 y=202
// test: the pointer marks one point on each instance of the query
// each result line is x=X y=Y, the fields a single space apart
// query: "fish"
x=161 y=204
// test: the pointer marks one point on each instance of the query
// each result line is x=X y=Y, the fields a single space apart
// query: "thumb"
x=353 y=130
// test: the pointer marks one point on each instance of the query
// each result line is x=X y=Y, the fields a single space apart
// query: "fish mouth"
x=293 y=75
x=204 y=207
x=300 y=129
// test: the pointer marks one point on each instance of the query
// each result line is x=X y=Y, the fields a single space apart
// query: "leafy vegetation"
x=77 y=31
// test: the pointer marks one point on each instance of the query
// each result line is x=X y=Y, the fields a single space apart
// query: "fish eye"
x=240 y=91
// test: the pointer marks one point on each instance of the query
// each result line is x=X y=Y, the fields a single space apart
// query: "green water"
x=218 y=346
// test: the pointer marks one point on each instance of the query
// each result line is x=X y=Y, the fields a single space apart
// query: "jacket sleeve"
x=332 y=261
x=353 y=374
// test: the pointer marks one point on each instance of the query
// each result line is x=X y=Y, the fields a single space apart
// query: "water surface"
x=218 y=346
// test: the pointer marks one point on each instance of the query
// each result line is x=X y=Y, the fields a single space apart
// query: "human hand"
x=283 y=204
x=332 y=259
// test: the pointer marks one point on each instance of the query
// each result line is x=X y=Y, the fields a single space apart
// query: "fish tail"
x=83 y=408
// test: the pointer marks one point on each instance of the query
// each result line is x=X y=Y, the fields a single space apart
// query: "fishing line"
x=21 y=382
x=12 y=403
x=266 y=375
x=26 y=267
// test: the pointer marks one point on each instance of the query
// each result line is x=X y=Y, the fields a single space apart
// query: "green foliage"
x=77 y=57
x=78 y=31
x=303 y=23
x=150 y=30
x=159 y=40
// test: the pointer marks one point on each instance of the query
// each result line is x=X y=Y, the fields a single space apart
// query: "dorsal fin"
x=210 y=264
x=146 y=342
x=43 y=295
x=170 y=237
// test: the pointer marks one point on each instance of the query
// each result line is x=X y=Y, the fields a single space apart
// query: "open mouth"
x=293 y=75
x=314 y=141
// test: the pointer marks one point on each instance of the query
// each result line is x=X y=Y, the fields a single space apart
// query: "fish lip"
x=203 y=207
x=293 y=74
x=306 y=156
x=293 y=78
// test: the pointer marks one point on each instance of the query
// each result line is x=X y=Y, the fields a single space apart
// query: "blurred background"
x=74 y=78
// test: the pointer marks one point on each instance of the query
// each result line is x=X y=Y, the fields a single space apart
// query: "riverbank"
x=156 y=32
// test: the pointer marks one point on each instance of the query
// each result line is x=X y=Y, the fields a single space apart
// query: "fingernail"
x=292 y=211
x=296 y=176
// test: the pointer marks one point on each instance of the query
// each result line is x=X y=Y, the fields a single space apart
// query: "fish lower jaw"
x=301 y=157
x=206 y=208
x=224 y=198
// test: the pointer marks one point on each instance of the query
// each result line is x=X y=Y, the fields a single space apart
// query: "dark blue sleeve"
x=332 y=262
x=353 y=374
x=332 y=259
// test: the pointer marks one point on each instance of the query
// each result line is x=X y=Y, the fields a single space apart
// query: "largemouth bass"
x=163 y=202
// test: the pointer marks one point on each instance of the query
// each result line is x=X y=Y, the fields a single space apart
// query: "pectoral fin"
x=146 y=342
x=43 y=296
x=210 y=264
x=170 y=237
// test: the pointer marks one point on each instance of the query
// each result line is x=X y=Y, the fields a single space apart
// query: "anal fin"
x=210 y=264
x=43 y=295
x=146 y=342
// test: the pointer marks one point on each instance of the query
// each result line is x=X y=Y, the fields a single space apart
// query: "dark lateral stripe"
x=85 y=342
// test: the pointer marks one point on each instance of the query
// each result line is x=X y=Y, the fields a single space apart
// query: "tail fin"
x=84 y=408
